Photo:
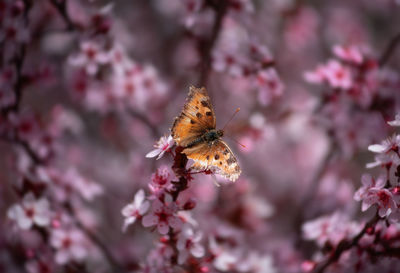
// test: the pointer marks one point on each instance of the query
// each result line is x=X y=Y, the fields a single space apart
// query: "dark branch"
x=61 y=7
x=390 y=49
x=147 y=122
x=346 y=245
x=93 y=237
x=312 y=189
x=220 y=7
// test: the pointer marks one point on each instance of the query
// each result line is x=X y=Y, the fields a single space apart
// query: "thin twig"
x=18 y=62
x=313 y=187
x=389 y=50
x=61 y=7
x=96 y=240
x=154 y=130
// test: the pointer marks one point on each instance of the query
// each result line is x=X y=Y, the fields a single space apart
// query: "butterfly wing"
x=217 y=157
x=196 y=118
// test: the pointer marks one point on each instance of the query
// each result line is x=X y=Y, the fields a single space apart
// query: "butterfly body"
x=195 y=130
x=209 y=137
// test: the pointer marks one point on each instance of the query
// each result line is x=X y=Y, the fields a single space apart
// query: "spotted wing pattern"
x=196 y=118
x=217 y=157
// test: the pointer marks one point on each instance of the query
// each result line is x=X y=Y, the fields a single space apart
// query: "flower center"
x=91 y=53
x=162 y=216
x=29 y=212
x=384 y=198
x=66 y=243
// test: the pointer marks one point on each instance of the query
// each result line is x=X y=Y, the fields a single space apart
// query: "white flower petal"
x=377 y=148
x=139 y=197
x=153 y=153
x=144 y=207
x=197 y=250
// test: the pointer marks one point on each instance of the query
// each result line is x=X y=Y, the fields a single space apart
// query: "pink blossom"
x=368 y=182
x=390 y=144
x=383 y=160
x=269 y=86
x=348 y=53
x=334 y=73
x=316 y=76
x=227 y=62
x=373 y=192
x=189 y=243
x=91 y=57
x=162 y=215
x=395 y=122
x=30 y=212
x=384 y=200
x=338 y=75
x=331 y=228
x=226 y=261
x=163 y=145
x=256 y=263
x=87 y=188
x=135 y=210
x=160 y=181
x=70 y=245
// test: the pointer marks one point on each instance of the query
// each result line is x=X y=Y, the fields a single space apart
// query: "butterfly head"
x=220 y=133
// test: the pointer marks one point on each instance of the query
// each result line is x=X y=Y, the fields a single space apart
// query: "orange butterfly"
x=195 y=130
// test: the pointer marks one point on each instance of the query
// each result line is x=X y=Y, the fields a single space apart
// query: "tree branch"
x=220 y=7
x=345 y=245
x=61 y=7
x=147 y=122
x=390 y=49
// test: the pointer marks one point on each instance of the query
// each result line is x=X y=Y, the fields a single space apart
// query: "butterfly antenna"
x=243 y=146
x=233 y=115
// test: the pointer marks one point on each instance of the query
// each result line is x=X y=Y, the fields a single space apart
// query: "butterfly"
x=195 y=130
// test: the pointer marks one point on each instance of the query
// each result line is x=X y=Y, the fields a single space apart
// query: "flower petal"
x=153 y=153
x=376 y=148
x=163 y=228
x=149 y=220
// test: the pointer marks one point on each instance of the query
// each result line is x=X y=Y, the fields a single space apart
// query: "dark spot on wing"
x=220 y=163
x=197 y=108
x=237 y=169
x=192 y=121
x=216 y=157
x=208 y=157
x=199 y=115
x=226 y=152
x=230 y=160
x=208 y=113
x=205 y=103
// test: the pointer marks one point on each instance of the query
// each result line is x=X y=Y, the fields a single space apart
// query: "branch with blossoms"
x=337 y=234
x=168 y=214
x=359 y=80
x=43 y=189
x=168 y=211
